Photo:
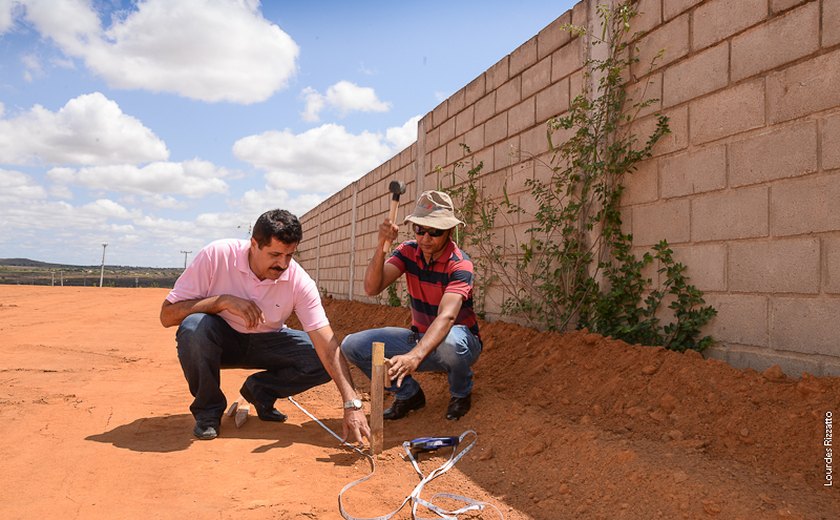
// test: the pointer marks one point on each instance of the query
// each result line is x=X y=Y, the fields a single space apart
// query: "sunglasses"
x=420 y=230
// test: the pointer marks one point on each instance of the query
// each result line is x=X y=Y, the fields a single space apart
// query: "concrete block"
x=440 y=114
x=523 y=57
x=457 y=102
x=508 y=94
x=728 y=112
x=475 y=138
x=553 y=36
x=576 y=84
x=775 y=266
x=464 y=121
x=438 y=158
x=831 y=264
x=498 y=74
x=760 y=359
x=522 y=116
x=580 y=13
x=781 y=40
x=789 y=151
x=807 y=325
x=830 y=23
x=777 y=6
x=733 y=214
x=534 y=141
x=496 y=129
x=455 y=151
x=671 y=39
x=805 y=206
x=536 y=78
x=719 y=19
x=830 y=139
x=650 y=15
x=673 y=8
x=485 y=155
x=664 y=220
x=566 y=60
x=676 y=140
x=642 y=185
x=552 y=101
x=474 y=90
x=696 y=172
x=506 y=153
x=805 y=88
x=447 y=130
x=700 y=74
x=741 y=318
x=648 y=89
x=706 y=265
x=485 y=108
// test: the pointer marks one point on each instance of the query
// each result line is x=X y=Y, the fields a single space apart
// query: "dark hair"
x=279 y=224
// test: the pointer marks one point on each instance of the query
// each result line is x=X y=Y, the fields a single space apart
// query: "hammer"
x=396 y=188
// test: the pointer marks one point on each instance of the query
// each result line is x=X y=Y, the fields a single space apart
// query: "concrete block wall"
x=744 y=187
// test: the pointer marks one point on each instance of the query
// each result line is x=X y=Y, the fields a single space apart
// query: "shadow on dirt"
x=174 y=433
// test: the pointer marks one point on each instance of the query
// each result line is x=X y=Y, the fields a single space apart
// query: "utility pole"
x=102 y=271
x=185 y=257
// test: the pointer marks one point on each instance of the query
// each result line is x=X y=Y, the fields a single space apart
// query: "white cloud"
x=108 y=209
x=256 y=202
x=200 y=49
x=194 y=178
x=322 y=159
x=314 y=104
x=6 y=19
x=402 y=136
x=89 y=129
x=345 y=97
x=19 y=187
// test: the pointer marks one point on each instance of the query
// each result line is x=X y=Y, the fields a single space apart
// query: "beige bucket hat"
x=435 y=210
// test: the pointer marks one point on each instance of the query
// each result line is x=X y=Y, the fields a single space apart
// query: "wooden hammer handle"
x=392 y=216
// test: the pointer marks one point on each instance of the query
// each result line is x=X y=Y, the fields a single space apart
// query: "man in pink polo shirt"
x=231 y=305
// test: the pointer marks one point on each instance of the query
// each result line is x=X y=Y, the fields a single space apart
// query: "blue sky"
x=159 y=125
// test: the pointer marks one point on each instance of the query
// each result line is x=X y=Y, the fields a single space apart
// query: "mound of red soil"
x=594 y=427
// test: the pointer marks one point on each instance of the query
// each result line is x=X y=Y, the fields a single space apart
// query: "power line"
x=185 y=257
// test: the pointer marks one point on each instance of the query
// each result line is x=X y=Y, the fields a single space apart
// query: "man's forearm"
x=172 y=314
x=375 y=272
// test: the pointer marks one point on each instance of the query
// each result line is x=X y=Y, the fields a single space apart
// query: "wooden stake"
x=377 y=398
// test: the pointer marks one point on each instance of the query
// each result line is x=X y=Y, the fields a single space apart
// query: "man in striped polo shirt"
x=444 y=332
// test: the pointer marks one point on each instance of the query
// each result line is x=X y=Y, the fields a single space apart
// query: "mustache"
x=278 y=269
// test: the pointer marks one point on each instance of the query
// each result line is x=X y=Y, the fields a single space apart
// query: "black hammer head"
x=396 y=188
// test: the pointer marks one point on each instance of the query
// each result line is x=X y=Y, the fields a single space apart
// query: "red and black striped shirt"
x=452 y=272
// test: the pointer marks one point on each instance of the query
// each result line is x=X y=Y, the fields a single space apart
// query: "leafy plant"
x=574 y=266
x=393 y=298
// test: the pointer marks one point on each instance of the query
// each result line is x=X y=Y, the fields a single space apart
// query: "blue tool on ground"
x=423 y=444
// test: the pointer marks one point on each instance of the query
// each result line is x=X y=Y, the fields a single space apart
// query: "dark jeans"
x=206 y=344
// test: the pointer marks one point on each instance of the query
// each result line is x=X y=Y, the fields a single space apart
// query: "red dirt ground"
x=95 y=424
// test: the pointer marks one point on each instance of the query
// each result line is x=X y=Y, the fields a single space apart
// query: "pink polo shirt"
x=222 y=268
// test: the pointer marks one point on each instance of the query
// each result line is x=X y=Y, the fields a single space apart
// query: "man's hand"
x=249 y=311
x=356 y=426
x=388 y=232
x=402 y=365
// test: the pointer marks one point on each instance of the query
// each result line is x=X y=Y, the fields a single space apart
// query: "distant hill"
x=25 y=262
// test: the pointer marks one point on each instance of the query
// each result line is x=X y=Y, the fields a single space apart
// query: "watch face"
x=355 y=404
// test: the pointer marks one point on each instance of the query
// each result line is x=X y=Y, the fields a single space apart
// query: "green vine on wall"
x=574 y=266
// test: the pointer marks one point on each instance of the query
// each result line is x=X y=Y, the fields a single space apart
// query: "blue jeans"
x=455 y=355
x=206 y=344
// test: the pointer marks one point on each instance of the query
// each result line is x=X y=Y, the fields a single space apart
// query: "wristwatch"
x=353 y=404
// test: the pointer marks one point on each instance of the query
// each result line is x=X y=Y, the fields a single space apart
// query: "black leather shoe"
x=400 y=407
x=458 y=407
x=205 y=432
x=265 y=412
